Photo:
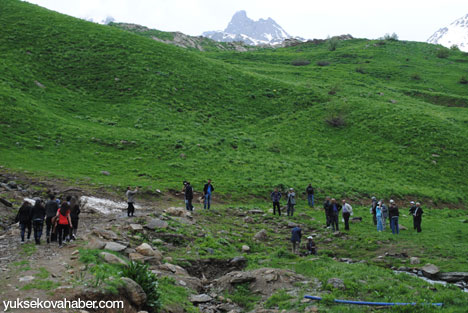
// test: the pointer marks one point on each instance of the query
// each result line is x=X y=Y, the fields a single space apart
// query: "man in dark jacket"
x=418 y=212
x=207 y=192
x=326 y=207
x=393 y=214
x=275 y=198
x=296 y=234
x=335 y=209
x=373 y=211
x=310 y=195
x=51 y=209
x=411 y=212
x=188 y=196
x=24 y=217
x=38 y=215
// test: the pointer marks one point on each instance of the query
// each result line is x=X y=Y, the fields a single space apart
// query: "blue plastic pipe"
x=371 y=303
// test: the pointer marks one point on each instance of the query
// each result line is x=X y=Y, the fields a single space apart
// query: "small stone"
x=112 y=258
x=261 y=236
x=156 y=223
x=201 y=298
x=145 y=249
x=136 y=227
x=114 y=246
x=248 y=219
x=26 y=278
x=75 y=252
x=336 y=283
x=134 y=256
x=105 y=173
x=414 y=260
x=401 y=227
x=245 y=248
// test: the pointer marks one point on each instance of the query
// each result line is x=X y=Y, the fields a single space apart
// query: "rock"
x=261 y=235
x=136 y=227
x=26 y=278
x=292 y=224
x=6 y=202
x=336 y=283
x=202 y=298
x=114 y=246
x=430 y=270
x=176 y=211
x=95 y=243
x=12 y=184
x=248 y=219
x=356 y=220
x=134 y=292
x=112 y=258
x=156 y=223
x=75 y=252
x=245 y=248
x=453 y=277
x=256 y=211
x=414 y=260
x=105 y=173
x=134 y=256
x=311 y=309
x=238 y=261
x=393 y=101
x=176 y=269
x=337 y=234
x=242 y=277
x=145 y=249
x=106 y=234
x=401 y=227
x=157 y=242
x=403 y=269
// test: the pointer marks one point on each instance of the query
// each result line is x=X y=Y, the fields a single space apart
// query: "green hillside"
x=79 y=98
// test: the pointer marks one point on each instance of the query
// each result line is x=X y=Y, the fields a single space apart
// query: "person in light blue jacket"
x=378 y=215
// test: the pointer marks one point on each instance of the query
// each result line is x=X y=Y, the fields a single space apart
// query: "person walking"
x=207 y=193
x=291 y=201
x=378 y=215
x=335 y=211
x=74 y=216
x=310 y=195
x=38 y=215
x=188 y=196
x=394 y=214
x=311 y=247
x=327 y=208
x=411 y=212
x=275 y=198
x=384 y=209
x=296 y=234
x=24 y=217
x=51 y=208
x=418 y=212
x=131 y=200
x=347 y=212
x=64 y=222
x=372 y=210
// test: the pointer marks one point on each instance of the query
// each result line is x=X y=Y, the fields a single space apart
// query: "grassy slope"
x=123 y=103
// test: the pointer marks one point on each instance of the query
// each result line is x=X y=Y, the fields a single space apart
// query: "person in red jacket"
x=64 y=222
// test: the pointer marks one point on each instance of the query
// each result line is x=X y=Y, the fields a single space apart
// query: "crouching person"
x=311 y=247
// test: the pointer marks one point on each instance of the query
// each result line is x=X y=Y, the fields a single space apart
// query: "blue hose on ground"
x=371 y=303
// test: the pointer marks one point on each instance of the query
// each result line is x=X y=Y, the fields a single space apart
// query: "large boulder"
x=453 y=277
x=112 y=258
x=114 y=246
x=134 y=293
x=261 y=236
x=156 y=223
x=430 y=270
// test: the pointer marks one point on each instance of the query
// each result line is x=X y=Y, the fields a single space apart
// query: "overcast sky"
x=411 y=20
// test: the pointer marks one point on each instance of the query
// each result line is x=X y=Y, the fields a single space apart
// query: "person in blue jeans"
x=378 y=215
x=394 y=214
x=310 y=195
x=24 y=217
x=207 y=192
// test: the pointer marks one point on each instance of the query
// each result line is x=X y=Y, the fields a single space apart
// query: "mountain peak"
x=242 y=28
x=454 y=34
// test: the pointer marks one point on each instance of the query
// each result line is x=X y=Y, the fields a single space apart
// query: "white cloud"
x=411 y=20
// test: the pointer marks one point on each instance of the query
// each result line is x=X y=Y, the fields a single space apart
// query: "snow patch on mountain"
x=454 y=34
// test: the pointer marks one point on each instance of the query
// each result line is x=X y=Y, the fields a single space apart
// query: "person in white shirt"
x=347 y=212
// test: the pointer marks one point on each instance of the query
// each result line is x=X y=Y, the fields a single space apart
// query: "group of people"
x=188 y=195
x=61 y=219
x=290 y=200
x=380 y=213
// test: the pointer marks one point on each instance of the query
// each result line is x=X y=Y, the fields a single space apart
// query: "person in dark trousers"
x=393 y=214
x=24 y=217
x=131 y=200
x=38 y=216
x=311 y=247
x=207 y=193
x=310 y=195
x=296 y=234
x=347 y=212
x=291 y=202
x=74 y=216
x=275 y=198
x=372 y=210
x=188 y=196
x=326 y=207
x=418 y=212
x=411 y=212
x=64 y=222
x=51 y=208
x=335 y=211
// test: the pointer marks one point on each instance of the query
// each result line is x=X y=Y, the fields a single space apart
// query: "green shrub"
x=361 y=70
x=392 y=37
x=323 y=63
x=463 y=80
x=454 y=48
x=443 y=53
x=416 y=76
x=332 y=43
x=147 y=280
x=300 y=62
x=243 y=296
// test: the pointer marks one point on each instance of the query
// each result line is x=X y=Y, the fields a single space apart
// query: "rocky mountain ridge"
x=456 y=34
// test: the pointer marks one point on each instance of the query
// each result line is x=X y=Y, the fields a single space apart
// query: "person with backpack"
x=394 y=215
x=130 y=200
x=275 y=198
x=378 y=215
x=296 y=234
x=51 y=208
x=335 y=211
x=38 y=215
x=384 y=209
x=24 y=217
x=326 y=207
x=188 y=193
x=418 y=212
x=207 y=192
x=372 y=210
x=74 y=216
x=63 y=222
x=411 y=212
x=291 y=202
x=347 y=212
x=310 y=195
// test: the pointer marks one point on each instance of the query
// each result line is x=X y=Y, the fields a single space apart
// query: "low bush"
x=463 y=80
x=332 y=43
x=361 y=70
x=323 y=63
x=392 y=37
x=336 y=120
x=300 y=62
x=443 y=53
x=141 y=274
x=416 y=76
